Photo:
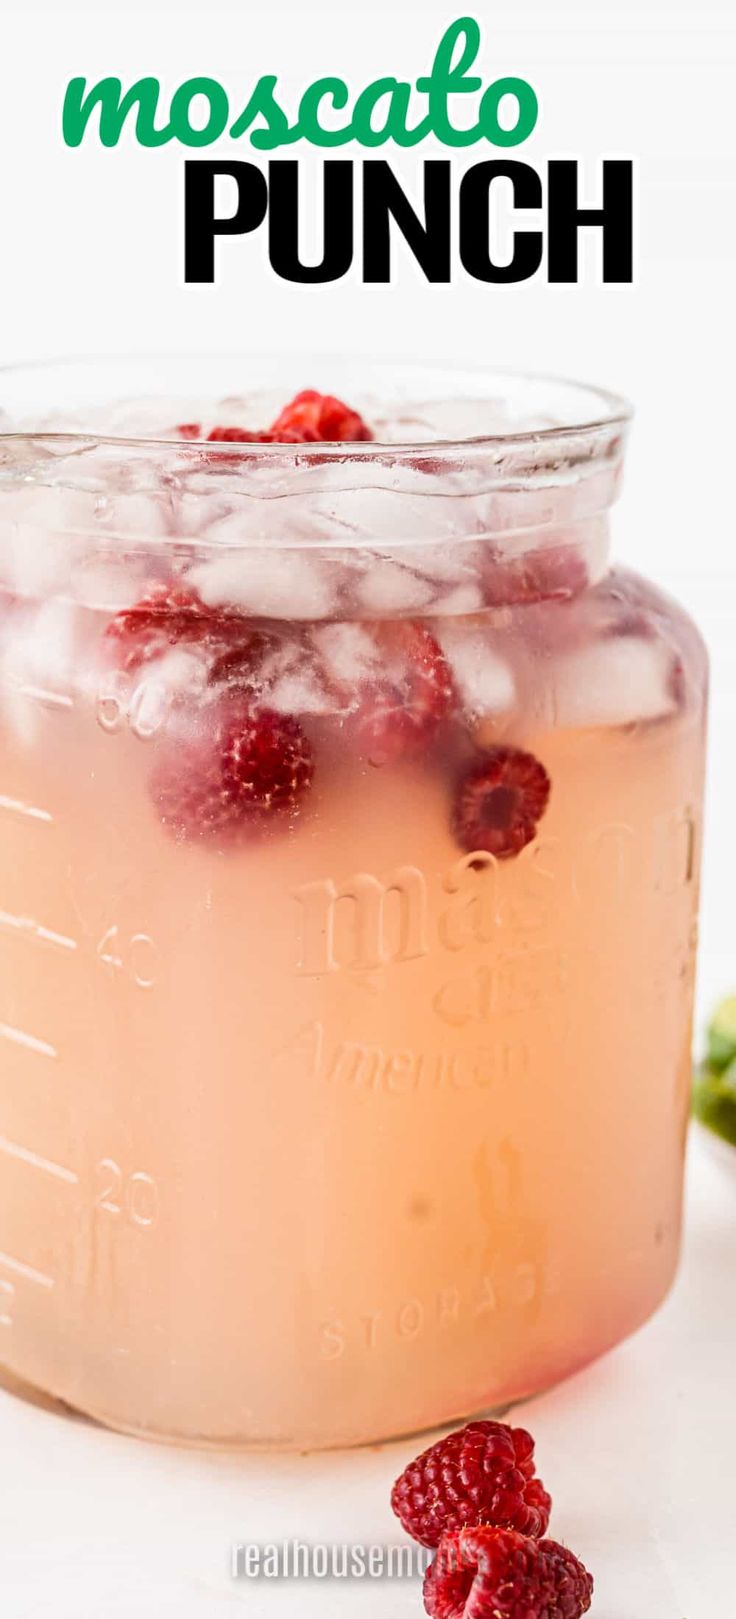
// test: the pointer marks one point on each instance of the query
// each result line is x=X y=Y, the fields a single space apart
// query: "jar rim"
x=607 y=412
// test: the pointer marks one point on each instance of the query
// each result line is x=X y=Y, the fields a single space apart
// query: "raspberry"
x=238 y=770
x=316 y=418
x=237 y=651
x=241 y=662
x=310 y=418
x=223 y=460
x=552 y=574
x=237 y=435
x=224 y=435
x=401 y=707
x=192 y=432
x=486 y=1573
x=168 y=614
x=500 y=801
x=483 y=1473
x=241 y=435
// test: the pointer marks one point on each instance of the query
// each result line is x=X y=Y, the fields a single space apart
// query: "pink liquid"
x=344 y=1132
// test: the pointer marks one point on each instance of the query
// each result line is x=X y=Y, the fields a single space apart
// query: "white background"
x=92 y=262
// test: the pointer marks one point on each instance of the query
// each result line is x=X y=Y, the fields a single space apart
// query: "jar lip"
x=608 y=411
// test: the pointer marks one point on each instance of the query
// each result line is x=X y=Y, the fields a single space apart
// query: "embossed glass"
x=360 y=1105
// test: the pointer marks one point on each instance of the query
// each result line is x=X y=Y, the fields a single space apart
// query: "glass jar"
x=349 y=847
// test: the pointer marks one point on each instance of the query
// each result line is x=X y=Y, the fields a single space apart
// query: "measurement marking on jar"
x=31 y=812
x=20 y=1037
x=27 y=1271
x=24 y=927
x=136 y=956
x=134 y=1197
x=25 y=1155
x=40 y=694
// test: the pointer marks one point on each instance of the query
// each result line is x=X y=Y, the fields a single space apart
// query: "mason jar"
x=350 y=823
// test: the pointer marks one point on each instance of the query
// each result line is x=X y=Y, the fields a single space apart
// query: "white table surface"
x=639 y=1451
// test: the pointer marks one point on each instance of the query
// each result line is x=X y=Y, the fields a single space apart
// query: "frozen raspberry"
x=220 y=460
x=241 y=435
x=402 y=704
x=552 y=574
x=223 y=435
x=483 y=1473
x=486 y=1573
x=500 y=801
x=310 y=418
x=237 y=435
x=317 y=418
x=239 y=769
x=235 y=648
x=168 y=614
x=241 y=659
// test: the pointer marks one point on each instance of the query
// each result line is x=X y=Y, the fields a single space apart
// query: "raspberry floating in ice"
x=553 y=573
x=309 y=418
x=168 y=615
x=237 y=435
x=405 y=699
x=241 y=662
x=489 y=1573
x=237 y=770
x=483 y=1473
x=315 y=418
x=500 y=801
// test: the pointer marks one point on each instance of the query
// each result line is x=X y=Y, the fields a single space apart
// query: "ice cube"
x=406 y=513
x=349 y=652
x=619 y=681
x=482 y=676
x=455 y=563
x=280 y=661
x=46 y=651
x=38 y=666
x=457 y=603
x=267 y=584
x=34 y=524
x=387 y=588
x=300 y=692
x=132 y=516
x=192 y=512
x=108 y=586
x=182 y=671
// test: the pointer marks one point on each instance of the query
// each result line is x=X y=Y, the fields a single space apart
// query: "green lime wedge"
x=722 y=1035
x=714 y=1099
